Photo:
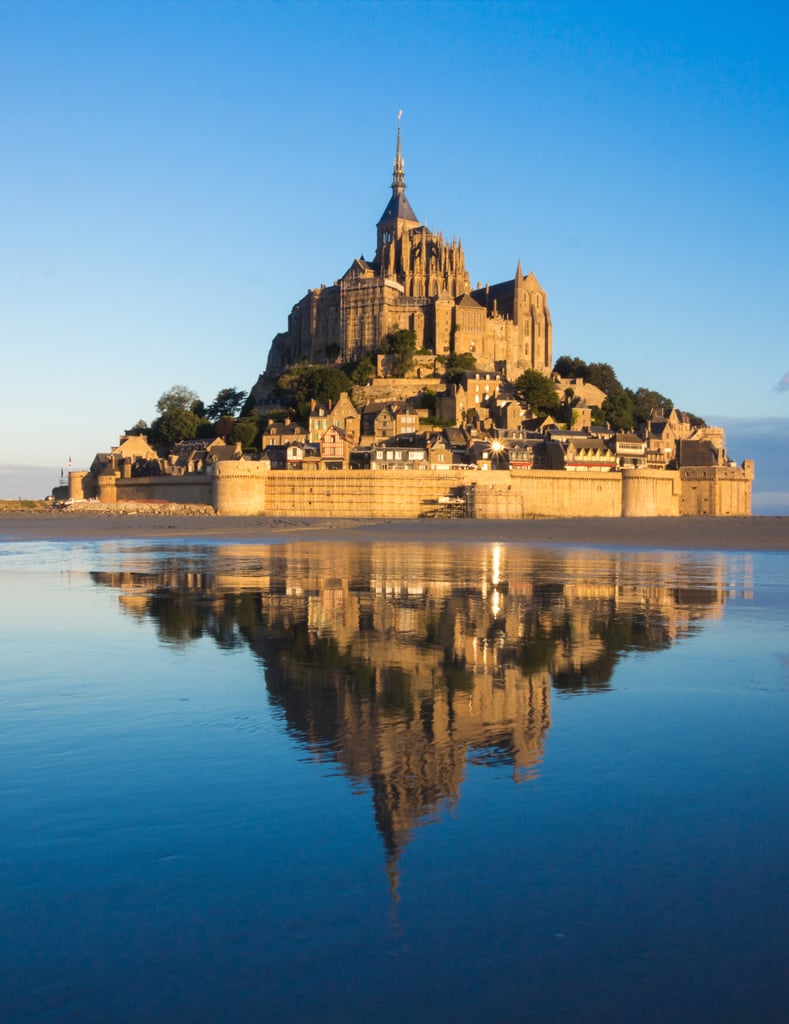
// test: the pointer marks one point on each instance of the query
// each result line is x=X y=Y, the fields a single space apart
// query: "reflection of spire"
x=393 y=872
x=405 y=666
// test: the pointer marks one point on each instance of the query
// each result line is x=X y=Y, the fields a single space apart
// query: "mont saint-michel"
x=400 y=391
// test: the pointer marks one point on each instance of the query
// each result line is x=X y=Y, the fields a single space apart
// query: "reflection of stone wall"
x=403 y=664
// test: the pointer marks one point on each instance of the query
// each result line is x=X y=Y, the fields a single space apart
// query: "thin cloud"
x=783 y=383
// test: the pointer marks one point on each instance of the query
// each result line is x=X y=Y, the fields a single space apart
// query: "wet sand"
x=754 y=533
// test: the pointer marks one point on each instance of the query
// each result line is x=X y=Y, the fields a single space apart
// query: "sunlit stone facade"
x=418 y=280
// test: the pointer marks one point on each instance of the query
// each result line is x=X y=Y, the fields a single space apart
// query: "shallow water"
x=318 y=782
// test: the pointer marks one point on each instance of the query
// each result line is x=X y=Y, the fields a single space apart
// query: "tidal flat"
x=92 y=521
x=364 y=770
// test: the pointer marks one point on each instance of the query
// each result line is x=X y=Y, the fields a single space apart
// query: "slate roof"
x=696 y=453
x=398 y=208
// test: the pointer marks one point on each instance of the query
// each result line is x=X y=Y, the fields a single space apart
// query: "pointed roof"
x=398 y=207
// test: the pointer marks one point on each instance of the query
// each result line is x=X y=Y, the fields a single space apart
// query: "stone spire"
x=398 y=175
x=398 y=209
x=398 y=218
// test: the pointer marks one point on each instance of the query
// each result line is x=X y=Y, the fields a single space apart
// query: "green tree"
x=178 y=398
x=227 y=403
x=457 y=364
x=401 y=345
x=571 y=367
x=179 y=416
x=644 y=401
x=602 y=376
x=538 y=392
x=244 y=431
x=174 y=425
x=618 y=410
x=307 y=381
x=362 y=372
x=223 y=426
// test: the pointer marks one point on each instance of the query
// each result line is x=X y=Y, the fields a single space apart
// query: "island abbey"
x=418 y=281
x=411 y=441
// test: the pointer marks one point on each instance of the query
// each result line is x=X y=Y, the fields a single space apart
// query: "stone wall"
x=191 y=489
x=717 y=490
x=543 y=494
x=251 y=488
x=393 y=389
x=650 y=492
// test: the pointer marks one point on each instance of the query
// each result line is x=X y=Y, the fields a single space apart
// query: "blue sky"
x=176 y=175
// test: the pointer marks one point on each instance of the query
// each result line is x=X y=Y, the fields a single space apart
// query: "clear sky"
x=175 y=176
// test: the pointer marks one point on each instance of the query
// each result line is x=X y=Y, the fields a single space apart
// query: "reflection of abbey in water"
x=405 y=664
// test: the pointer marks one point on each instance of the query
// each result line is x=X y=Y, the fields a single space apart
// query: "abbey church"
x=418 y=281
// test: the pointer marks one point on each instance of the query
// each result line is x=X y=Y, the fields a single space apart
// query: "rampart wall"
x=192 y=489
x=544 y=494
x=387 y=494
x=252 y=488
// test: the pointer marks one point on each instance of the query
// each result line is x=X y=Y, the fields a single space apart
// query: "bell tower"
x=397 y=218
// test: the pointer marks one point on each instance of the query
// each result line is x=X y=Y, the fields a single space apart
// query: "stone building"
x=418 y=280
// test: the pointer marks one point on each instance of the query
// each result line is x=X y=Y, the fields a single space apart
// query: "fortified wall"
x=244 y=488
x=112 y=487
x=717 y=491
x=252 y=488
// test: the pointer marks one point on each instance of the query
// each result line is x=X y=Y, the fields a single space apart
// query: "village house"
x=578 y=451
x=630 y=450
x=282 y=432
x=335 y=449
x=477 y=392
x=342 y=415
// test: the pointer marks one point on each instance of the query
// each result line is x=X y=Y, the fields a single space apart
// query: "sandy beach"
x=754 y=533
